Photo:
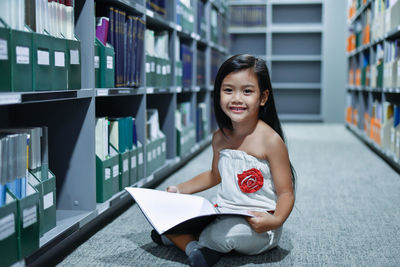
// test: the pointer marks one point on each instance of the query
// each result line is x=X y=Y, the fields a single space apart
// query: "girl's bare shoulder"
x=270 y=140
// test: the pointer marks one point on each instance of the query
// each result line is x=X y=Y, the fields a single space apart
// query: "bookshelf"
x=373 y=98
x=71 y=114
x=290 y=36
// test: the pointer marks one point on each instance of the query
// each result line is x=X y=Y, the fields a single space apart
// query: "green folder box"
x=178 y=73
x=158 y=73
x=47 y=199
x=21 y=61
x=107 y=178
x=43 y=62
x=379 y=80
x=140 y=165
x=124 y=170
x=96 y=65
x=5 y=60
x=107 y=65
x=162 y=149
x=157 y=162
x=149 y=157
x=9 y=231
x=28 y=222
x=363 y=76
x=60 y=51
x=133 y=170
x=150 y=70
x=74 y=64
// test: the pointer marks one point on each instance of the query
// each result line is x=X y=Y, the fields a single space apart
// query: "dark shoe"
x=203 y=257
x=156 y=238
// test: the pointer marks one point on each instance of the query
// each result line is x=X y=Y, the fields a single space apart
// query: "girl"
x=250 y=164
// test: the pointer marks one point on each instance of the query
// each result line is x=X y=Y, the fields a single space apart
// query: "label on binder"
x=96 y=62
x=109 y=62
x=115 y=171
x=147 y=67
x=74 y=57
x=125 y=165
x=133 y=162
x=159 y=151
x=29 y=217
x=140 y=158
x=43 y=57
x=107 y=173
x=22 y=53
x=59 y=59
x=48 y=200
x=7 y=226
x=3 y=49
x=163 y=147
x=149 y=156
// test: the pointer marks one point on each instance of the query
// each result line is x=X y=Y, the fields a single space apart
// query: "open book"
x=174 y=213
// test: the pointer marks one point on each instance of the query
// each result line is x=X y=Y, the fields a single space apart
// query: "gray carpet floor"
x=347 y=211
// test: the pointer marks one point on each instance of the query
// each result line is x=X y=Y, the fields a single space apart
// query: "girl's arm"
x=281 y=174
x=204 y=180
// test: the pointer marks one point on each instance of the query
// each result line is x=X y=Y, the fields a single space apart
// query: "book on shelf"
x=172 y=213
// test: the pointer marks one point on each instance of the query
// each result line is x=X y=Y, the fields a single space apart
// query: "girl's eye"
x=227 y=90
x=247 y=91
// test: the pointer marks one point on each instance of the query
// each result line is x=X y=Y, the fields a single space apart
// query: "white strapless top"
x=246 y=182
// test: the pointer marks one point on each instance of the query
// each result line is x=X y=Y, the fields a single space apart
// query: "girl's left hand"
x=262 y=222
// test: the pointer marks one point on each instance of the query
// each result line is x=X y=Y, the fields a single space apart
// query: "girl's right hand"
x=173 y=189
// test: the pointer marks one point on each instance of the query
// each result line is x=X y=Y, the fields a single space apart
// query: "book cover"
x=171 y=213
x=102 y=29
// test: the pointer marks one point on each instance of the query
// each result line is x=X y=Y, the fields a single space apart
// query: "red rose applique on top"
x=250 y=181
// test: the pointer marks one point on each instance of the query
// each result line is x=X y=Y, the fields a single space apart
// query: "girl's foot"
x=203 y=257
x=160 y=240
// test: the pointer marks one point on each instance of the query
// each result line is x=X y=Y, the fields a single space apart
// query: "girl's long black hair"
x=267 y=113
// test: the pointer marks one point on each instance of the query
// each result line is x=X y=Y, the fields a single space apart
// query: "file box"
x=107 y=178
x=107 y=65
x=140 y=158
x=43 y=62
x=186 y=139
x=60 y=81
x=21 y=61
x=47 y=199
x=96 y=65
x=73 y=64
x=133 y=163
x=5 y=58
x=9 y=231
x=28 y=222
x=124 y=170
x=150 y=159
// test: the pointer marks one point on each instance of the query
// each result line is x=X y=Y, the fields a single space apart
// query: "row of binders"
x=380 y=18
x=248 y=16
x=27 y=192
x=125 y=34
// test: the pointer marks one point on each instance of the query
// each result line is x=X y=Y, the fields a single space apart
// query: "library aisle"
x=346 y=211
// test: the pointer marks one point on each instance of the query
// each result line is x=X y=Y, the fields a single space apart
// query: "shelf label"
x=109 y=62
x=59 y=59
x=10 y=98
x=48 y=200
x=133 y=162
x=178 y=89
x=3 y=49
x=43 y=57
x=96 y=62
x=107 y=174
x=150 y=90
x=7 y=226
x=102 y=92
x=149 y=13
x=29 y=216
x=74 y=57
x=22 y=53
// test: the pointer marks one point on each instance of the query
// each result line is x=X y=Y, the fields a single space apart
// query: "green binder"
x=124 y=170
x=5 y=58
x=9 y=236
x=107 y=178
x=96 y=65
x=73 y=64
x=107 y=65
x=43 y=62
x=60 y=79
x=140 y=166
x=133 y=164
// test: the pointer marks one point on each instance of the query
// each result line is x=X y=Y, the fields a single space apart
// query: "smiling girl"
x=250 y=166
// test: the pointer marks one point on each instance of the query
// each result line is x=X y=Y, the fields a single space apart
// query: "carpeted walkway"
x=347 y=211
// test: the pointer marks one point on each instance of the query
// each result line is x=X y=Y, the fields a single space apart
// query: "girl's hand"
x=173 y=189
x=263 y=221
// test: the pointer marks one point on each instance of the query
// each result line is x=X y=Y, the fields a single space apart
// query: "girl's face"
x=240 y=96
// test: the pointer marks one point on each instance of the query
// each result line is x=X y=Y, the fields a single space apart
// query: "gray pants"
x=229 y=233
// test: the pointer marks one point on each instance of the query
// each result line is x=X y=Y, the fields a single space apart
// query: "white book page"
x=165 y=210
